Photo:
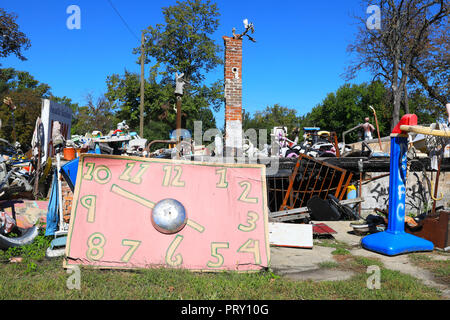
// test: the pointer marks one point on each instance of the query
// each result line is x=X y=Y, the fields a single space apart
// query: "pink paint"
x=28 y=212
x=227 y=228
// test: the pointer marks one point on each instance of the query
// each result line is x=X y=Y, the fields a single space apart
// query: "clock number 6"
x=171 y=252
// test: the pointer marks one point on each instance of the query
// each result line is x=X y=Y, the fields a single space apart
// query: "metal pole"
x=178 y=119
x=141 y=122
x=378 y=129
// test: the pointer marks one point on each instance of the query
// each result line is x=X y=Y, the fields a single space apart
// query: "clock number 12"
x=176 y=182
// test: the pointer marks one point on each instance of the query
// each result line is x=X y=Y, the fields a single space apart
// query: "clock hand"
x=149 y=204
x=131 y=196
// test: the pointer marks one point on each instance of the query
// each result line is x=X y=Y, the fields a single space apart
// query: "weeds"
x=31 y=253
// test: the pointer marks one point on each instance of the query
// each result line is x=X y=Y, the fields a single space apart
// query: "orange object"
x=79 y=151
x=69 y=153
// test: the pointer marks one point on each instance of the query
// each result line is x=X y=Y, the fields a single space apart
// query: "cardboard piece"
x=111 y=219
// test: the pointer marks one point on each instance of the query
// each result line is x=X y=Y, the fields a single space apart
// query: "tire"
x=27 y=236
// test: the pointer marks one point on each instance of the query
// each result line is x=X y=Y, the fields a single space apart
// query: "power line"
x=123 y=20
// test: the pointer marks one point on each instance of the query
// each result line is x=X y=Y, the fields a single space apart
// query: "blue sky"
x=299 y=56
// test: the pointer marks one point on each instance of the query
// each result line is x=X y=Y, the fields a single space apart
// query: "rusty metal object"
x=147 y=148
x=434 y=228
x=336 y=144
x=310 y=177
x=436 y=186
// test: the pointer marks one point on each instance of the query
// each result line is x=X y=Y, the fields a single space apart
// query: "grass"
x=48 y=281
x=439 y=268
x=332 y=244
x=40 y=278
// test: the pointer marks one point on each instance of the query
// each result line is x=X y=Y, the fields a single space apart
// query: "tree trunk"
x=406 y=99
x=396 y=110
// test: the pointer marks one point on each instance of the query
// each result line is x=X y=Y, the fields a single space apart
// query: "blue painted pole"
x=397 y=185
x=395 y=240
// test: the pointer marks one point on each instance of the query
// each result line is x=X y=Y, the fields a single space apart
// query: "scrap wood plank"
x=425 y=130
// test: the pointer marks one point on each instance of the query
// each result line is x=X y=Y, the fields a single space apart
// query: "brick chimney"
x=233 y=96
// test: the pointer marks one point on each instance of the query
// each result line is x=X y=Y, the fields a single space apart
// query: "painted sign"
x=132 y=212
x=51 y=112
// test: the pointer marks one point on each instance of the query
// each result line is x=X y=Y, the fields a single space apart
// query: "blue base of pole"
x=392 y=244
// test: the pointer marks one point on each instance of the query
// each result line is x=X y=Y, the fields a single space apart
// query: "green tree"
x=95 y=115
x=25 y=93
x=183 y=44
x=348 y=106
x=12 y=40
x=159 y=108
x=272 y=116
x=399 y=52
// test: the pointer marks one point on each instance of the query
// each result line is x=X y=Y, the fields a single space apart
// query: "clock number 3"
x=176 y=182
x=252 y=218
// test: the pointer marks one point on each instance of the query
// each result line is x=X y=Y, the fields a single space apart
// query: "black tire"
x=27 y=236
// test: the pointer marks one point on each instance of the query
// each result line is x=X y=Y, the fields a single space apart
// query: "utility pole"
x=141 y=123
x=179 y=84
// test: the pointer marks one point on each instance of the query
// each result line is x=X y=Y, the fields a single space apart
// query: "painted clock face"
x=132 y=212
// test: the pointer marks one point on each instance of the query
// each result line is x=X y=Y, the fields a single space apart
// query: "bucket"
x=69 y=154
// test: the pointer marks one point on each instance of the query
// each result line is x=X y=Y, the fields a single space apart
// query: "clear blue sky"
x=299 y=56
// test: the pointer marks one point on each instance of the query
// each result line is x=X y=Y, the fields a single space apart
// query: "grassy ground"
x=439 y=268
x=37 y=277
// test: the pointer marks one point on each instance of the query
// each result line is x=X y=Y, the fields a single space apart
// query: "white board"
x=50 y=112
x=291 y=235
